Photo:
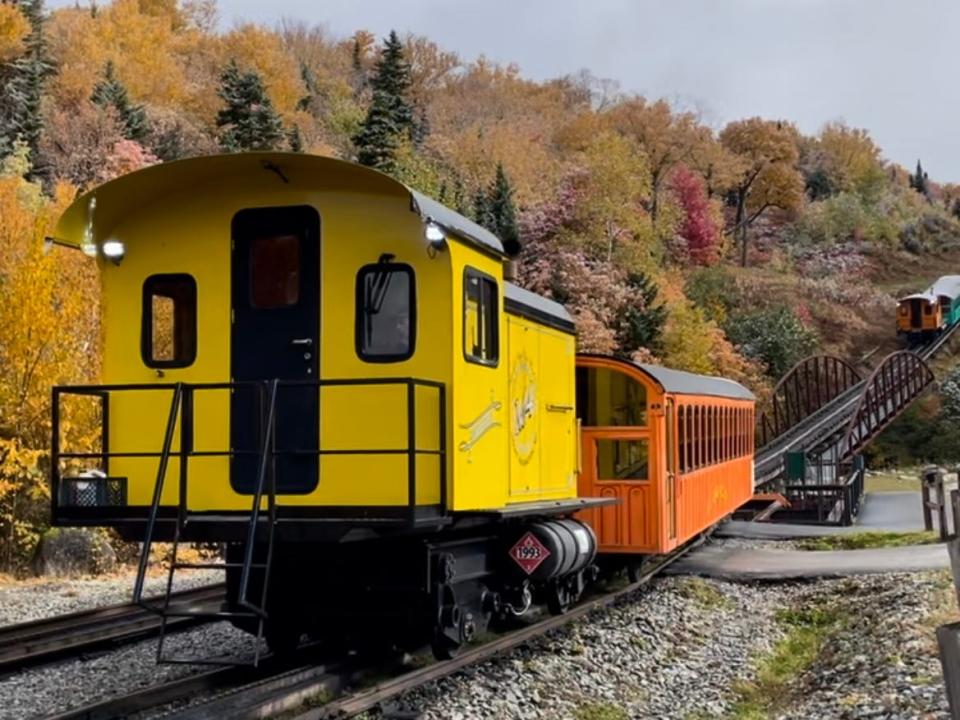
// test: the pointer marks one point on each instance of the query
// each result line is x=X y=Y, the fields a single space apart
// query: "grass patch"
x=807 y=630
x=600 y=711
x=890 y=481
x=703 y=593
x=868 y=539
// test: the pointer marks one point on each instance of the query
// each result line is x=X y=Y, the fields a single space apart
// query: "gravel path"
x=22 y=602
x=681 y=647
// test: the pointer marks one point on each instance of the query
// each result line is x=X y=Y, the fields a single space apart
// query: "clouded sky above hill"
x=887 y=65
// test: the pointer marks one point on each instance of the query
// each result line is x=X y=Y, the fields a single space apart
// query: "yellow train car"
x=309 y=361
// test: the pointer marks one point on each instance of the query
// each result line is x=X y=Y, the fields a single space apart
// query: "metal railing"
x=182 y=410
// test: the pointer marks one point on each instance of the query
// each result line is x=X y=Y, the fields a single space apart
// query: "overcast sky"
x=887 y=65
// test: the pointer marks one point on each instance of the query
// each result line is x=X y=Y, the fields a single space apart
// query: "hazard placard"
x=529 y=552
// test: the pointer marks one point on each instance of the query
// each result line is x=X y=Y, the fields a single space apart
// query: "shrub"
x=774 y=336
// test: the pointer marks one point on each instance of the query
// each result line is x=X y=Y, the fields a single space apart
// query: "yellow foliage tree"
x=852 y=159
x=768 y=176
x=14 y=27
x=48 y=335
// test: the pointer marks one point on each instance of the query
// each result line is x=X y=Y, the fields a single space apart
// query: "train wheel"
x=281 y=637
x=559 y=598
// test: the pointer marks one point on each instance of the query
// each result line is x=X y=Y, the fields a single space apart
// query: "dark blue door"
x=276 y=326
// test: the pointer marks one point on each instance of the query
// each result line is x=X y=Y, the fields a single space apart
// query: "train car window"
x=698 y=436
x=481 y=335
x=623 y=459
x=682 y=436
x=610 y=399
x=168 y=329
x=274 y=271
x=386 y=307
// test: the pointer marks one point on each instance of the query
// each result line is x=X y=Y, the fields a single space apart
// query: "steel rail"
x=368 y=699
x=48 y=638
x=286 y=685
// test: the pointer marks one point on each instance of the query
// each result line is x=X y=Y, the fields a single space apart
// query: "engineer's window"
x=480 y=318
x=386 y=312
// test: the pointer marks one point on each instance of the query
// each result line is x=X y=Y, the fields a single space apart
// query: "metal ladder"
x=182 y=406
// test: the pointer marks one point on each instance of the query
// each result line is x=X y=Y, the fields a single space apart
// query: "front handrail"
x=187 y=450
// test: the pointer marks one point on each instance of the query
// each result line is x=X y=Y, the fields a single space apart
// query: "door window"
x=623 y=459
x=386 y=312
x=168 y=336
x=274 y=271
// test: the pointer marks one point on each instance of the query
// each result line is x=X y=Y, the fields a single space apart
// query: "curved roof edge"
x=111 y=200
x=452 y=221
x=681 y=382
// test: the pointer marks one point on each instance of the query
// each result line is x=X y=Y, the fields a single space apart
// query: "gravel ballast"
x=23 y=602
x=681 y=648
x=685 y=648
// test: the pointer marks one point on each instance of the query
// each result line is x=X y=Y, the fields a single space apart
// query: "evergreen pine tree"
x=503 y=212
x=22 y=85
x=481 y=209
x=295 y=139
x=919 y=181
x=641 y=323
x=389 y=117
x=359 y=74
x=248 y=122
x=310 y=83
x=459 y=196
x=110 y=92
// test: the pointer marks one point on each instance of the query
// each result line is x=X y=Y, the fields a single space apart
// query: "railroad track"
x=820 y=427
x=43 y=640
x=295 y=686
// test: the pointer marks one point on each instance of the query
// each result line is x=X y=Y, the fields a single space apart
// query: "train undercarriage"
x=409 y=591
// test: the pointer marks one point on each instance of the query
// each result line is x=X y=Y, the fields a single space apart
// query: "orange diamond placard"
x=529 y=552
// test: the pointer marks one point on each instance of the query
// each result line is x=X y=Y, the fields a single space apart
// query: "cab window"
x=386 y=326
x=168 y=330
x=480 y=318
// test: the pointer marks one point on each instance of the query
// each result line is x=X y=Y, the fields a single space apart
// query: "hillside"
x=733 y=250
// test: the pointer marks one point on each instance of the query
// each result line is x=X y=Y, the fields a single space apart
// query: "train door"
x=275 y=335
x=620 y=461
x=916 y=321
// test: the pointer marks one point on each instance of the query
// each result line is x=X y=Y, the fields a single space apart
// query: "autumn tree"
x=699 y=228
x=850 y=160
x=111 y=93
x=768 y=178
x=389 y=119
x=248 y=120
x=22 y=84
x=665 y=137
x=14 y=28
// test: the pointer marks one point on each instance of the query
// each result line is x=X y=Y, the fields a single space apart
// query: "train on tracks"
x=922 y=316
x=329 y=373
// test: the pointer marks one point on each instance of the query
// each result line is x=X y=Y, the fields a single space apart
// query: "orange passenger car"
x=675 y=448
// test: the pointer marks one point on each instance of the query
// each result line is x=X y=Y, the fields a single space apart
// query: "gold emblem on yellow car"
x=480 y=425
x=523 y=409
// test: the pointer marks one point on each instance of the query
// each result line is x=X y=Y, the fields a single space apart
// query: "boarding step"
x=216 y=566
x=210 y=614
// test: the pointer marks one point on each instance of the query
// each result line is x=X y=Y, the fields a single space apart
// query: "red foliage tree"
x=699 y=229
